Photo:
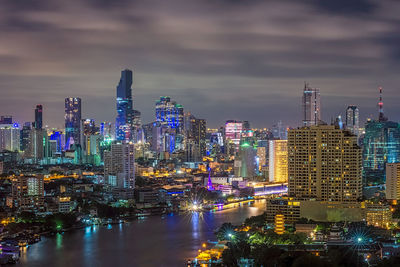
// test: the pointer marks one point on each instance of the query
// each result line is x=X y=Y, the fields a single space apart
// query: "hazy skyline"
x=244 y=60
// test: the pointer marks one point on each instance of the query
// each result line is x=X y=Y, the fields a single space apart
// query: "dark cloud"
x=220 y=59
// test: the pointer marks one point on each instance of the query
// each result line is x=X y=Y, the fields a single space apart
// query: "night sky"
x=244 y=60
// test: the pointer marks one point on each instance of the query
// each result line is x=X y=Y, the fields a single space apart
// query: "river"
x=154 y=241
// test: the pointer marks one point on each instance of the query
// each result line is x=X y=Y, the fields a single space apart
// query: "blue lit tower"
x=73 y=116
x=38 y=117
x=170 y=114
x=381 y=146
x=123 y=122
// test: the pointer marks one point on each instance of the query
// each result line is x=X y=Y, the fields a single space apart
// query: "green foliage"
x=224 y=231
x=60 y=221
x=256 y=221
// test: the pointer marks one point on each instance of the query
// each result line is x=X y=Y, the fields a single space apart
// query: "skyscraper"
x=73 y=116
x=233 y=132
x=353 y=120
x=9 y=137
x=123 y=122
x=38 y=117
x=381 y=146
x=278 y=161
x=324 y=163
x=311 y=106
x=170 y=114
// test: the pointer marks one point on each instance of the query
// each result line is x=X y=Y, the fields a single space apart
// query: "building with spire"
x=381 y=146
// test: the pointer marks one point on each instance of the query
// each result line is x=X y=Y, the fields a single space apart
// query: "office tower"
x=170 y=114
x=324 y=163
x=89 y=127
x=195 y=133
x=73 y=114
x=381 y=146
x=6 y=119
x=25 y=136
x=278 y=161
x=311 y=106
x=27 y=192
x=279 y=131
x=106 y=129
x=246 y=164
x=353 y=120
x=9 y=137
x=393 y=181
x=59 y=139
x=119 y=165
x=233 y=132
x=123 y=122
x=38 y=145
x=38 y=124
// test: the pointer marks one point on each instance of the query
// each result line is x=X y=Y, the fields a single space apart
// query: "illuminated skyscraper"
x=278 y=161
x=233 y=132
x=311 y=106
x=170 y=114
x=353 y=120
x=38 y=117
x=324 y=163
x=9 y=137
x=73 y=114
x=123 y=122
x=381 y=146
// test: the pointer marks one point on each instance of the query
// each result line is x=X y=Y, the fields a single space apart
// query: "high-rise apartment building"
x=38 y=124
x=324 y=163
x=353 y=120
x=311 y=106
x=119 y=165
x=393 y=181
x=278 y=161
x=28 y=192
x=73 y=114
x=123 y=122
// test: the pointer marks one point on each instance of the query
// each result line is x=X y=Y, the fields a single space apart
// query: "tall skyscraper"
x=233 y=132
x=353 y=120
x=38 y=117
x=311 y=106
x=73 y=114
x=381 y=146
x=170 y=114
x=119 y=165
x=123 y=122
x=278 y=161
x=324 y=163
x=9 y=137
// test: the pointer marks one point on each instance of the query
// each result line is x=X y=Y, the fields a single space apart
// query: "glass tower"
x=38 y=117
x=72 y=121
x=311 y=106
x=170 y=114
x=123 y=122
x=353 y=120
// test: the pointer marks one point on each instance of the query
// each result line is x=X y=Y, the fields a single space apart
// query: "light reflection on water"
x=154 y=241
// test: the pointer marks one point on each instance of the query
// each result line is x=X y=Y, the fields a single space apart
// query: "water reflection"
x=155 y=241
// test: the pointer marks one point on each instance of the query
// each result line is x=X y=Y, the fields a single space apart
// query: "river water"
x=154 y=241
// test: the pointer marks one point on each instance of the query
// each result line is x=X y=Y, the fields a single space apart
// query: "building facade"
x=311 y=106
x=73 y=114
x=278 y=161
x=324 y=163
x=353 y=120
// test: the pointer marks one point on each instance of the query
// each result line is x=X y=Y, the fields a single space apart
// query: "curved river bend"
x=154 y=241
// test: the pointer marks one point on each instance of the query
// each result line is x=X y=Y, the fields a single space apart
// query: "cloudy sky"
x=236 y=59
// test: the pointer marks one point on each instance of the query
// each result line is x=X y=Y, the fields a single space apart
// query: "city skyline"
x=206 y=56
